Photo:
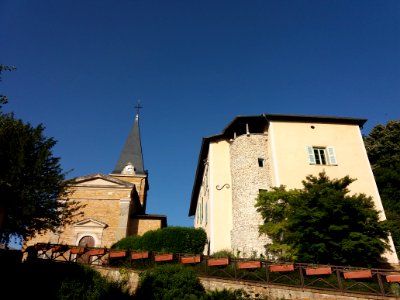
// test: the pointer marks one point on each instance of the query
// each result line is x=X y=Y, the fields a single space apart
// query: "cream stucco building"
x=114 y=205
x=256 y=153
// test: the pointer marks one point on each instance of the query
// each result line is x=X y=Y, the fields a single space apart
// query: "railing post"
x=235 y=268
x=340 y=283
x=301 y=274
x=378 y=274
x=266 y=272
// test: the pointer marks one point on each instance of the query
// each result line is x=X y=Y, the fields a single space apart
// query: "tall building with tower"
x=255 y=153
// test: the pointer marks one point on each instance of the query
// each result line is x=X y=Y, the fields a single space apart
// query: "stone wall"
x=247 y=179
x=256 y=290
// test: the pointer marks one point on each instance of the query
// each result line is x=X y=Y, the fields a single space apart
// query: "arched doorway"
x=86 y=241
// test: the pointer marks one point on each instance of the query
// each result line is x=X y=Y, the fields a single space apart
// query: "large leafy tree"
x=33 y=189
x=383 y=148
x=322 y=223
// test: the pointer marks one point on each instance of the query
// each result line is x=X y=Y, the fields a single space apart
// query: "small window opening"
x=261 y=162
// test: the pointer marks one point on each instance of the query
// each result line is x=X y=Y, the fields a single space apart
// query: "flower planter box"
x=41 y=247
x=77 y=250
x=281 y=268
x=393 y=278
x=140 y=255
x=96 y=252
x=190 y=259
x=357 y=274
x=249 y=264
x=117 y=253
x=163 y=257
x=218 y=261
x=59 y=248
x=319 y=271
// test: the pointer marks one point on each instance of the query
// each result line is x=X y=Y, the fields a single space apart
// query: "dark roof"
x=132 y=151
x=257 y=124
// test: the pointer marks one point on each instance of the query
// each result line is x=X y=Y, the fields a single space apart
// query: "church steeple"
x=132 y=152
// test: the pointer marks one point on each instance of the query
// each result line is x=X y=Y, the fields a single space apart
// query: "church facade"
x=255 y=153
x=113 y=205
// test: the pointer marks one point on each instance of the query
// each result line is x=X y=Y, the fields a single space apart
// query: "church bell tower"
x=130 y=165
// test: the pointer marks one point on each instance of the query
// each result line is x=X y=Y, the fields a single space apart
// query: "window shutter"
x=311 y=156
x=331 y=155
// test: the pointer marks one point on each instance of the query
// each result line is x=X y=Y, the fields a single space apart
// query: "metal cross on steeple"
x=132 y=150
x=138 y=107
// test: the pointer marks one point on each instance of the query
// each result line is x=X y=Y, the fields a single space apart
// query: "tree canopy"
x=322 y=223
x=383 y=148
x=33 y=189
x=3 y=98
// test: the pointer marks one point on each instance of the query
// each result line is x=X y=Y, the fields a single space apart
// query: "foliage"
x=47 y=280
x=321 y=223
x=31 y=182
x=169 y=282
x=170 y=239
x=89 y=284
x=130 y=242
x=226 y=294
x=383 y=148
x=180 y=282
x=3 y=98
x=223 y=253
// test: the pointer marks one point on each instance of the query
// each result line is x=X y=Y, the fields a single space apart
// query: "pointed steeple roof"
x=132 y=152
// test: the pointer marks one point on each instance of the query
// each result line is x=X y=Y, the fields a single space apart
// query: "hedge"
x=169 y=239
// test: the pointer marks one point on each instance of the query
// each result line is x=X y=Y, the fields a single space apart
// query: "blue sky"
x=195 y=65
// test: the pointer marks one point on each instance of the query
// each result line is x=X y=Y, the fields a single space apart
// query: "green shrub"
x=88 y=284
x=169 y=282
x=223 y=253
x=170 y=239
x=226 y=294
x=130 y=242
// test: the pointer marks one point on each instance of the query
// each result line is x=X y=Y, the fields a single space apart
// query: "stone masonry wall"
x=247 y=179
x=256 y=290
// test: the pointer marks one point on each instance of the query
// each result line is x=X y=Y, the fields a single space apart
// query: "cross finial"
x=138 y=107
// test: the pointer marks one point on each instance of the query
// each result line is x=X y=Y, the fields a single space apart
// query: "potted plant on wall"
x=249 y=264
x=163 y=256
x=318 y=270
x=357 y=274
x=139 y=254
x=281 y=267
x=190 y=259
x=220 y=258
x=97 y=251
x=116 y=253
x=77 y=250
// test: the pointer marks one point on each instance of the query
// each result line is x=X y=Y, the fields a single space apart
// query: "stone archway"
x=86 y=241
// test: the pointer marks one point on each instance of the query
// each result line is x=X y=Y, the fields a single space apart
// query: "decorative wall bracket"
x=225 y=185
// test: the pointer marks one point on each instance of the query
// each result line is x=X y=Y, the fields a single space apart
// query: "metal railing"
x=371 y=281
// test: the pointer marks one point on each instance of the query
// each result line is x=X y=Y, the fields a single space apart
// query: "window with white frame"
x=321 y=155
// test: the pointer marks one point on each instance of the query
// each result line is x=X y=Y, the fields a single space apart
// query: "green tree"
x=322 y=223
x=383 y=148
x=33 y=189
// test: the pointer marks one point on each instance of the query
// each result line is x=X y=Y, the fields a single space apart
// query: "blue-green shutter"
x=331 y=155
x=311 y=156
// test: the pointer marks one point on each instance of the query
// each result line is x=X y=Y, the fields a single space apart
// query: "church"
x=113 y=205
